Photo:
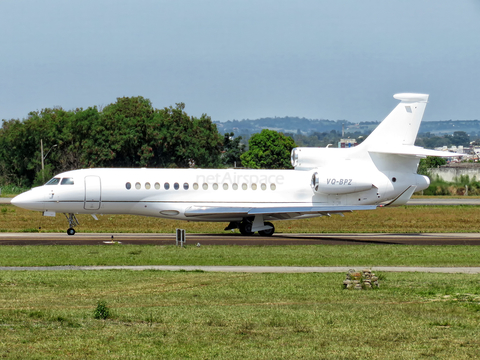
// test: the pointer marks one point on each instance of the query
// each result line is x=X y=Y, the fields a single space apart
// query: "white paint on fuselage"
x=280 y=188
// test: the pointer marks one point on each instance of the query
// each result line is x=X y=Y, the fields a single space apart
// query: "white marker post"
x=180 y=238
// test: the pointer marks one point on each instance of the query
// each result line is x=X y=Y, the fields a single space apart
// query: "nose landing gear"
x=72 y=222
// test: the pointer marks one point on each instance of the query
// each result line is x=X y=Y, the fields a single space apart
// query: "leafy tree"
x=430 y=162
x=116 y=135
x=460 y=138
x=233 y=148
x=268 y=149
x=183 y=141
x=127 y=133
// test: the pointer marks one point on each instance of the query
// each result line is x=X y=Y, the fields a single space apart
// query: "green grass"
x=403 y=219
x=440 y=187
x=12 y=190
x=178 y=315
x=294 y=255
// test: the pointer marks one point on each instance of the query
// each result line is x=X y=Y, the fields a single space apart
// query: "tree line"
x=127 y=133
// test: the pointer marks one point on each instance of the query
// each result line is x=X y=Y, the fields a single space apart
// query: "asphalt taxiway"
x=237 y=239
x=251 y=269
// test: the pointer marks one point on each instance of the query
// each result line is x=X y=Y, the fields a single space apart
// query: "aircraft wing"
x=280 y=212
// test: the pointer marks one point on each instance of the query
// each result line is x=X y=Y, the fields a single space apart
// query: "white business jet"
x=325 y=181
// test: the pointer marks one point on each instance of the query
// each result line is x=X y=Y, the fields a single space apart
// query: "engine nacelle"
x=310 y=158
x=336 y=183
x=305 y=158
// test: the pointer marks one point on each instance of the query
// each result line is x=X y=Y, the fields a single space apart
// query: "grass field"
x=197 y=315
x=178 y=315
x=404 y=219
x=293 y=255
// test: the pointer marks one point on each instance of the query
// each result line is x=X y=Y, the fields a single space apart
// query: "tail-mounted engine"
x=336 y=183
x=310 y=158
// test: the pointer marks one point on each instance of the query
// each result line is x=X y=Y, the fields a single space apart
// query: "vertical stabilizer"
x=401 y=126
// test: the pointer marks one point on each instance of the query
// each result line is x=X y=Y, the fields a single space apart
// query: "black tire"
x=268 y=232
x=71 y=231
x=246 y=228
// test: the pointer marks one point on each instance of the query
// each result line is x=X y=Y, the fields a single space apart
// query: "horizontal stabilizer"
x=414 y=151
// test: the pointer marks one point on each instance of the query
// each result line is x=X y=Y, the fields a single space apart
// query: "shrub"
x=102 y=311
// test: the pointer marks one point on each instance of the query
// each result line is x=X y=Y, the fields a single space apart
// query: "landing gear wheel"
x=268 y=232
x=246 y=228
x=72 y=222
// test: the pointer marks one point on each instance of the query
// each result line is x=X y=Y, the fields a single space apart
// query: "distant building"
x=453 y=148
x=346 y=143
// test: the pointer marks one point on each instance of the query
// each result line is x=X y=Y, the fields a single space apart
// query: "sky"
x=242 y=59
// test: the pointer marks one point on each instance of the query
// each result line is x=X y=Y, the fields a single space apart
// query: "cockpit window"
x=67 y=181
x=53 y=181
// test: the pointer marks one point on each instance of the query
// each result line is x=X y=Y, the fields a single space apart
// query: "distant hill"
x=292 y=125
x=471 y=127
x=305 y=126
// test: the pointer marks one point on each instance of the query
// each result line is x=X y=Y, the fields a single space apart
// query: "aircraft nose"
x=30 y=200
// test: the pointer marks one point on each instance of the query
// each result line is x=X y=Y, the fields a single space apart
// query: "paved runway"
x=236 y=239
x=445 y=201
x=253 y=269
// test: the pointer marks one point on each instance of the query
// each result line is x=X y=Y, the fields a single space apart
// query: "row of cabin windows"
x=196 y=186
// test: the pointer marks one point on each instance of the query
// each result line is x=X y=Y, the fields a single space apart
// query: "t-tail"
x=389 y=146
x=387 y=160
x=397 y=133
x=400 y=127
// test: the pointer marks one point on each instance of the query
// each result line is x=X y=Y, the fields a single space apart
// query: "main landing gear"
x=247 y=227
x=72 y=222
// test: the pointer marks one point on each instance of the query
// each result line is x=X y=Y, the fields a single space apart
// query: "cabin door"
x=92 y=193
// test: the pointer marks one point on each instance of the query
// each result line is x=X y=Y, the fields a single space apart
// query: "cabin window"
x=166 y=186
x=244 y=186
x=205 y=186
x=67 y=181
x=185 y=186
x=157 y=186
x=53 y=181
x=195 y=186
x=264 y=186
x=273 y=186
x=176 y=186
x=254 y=186
x=225 y=186
x=128 y=186
x=234 y=186
x=138 y=186
x=215 y=186
x=147 y=186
